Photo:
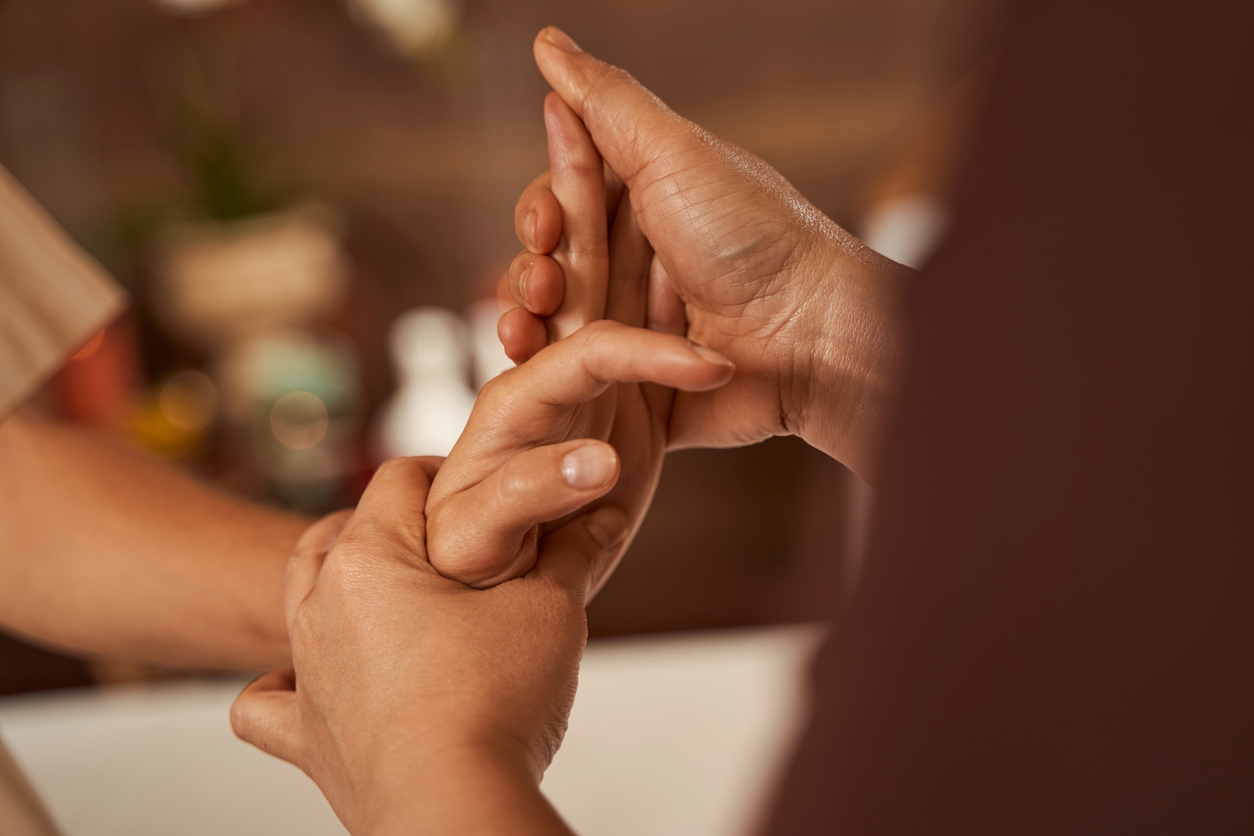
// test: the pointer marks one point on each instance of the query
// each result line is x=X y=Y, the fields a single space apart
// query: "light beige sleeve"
x=53 y=295
x=21 y=813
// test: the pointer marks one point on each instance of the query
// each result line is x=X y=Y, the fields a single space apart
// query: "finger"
x=579 y=369
x=578 y=554
x=538 y=217
x=614 y=188
x=536 y=283
x=394 y=504
x=630 y=255
x=522 y=334
x=578 y=183
x=303 y=567
x=616 y=109
x=267 y=715
x=487 y=534
x=665 y=308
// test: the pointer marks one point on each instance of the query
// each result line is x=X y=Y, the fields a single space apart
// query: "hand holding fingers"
x=495 y=474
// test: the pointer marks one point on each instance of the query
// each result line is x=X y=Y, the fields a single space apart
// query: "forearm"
x=107 y=552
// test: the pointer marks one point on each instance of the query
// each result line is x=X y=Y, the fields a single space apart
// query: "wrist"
x=462 y=788
x=850 y=343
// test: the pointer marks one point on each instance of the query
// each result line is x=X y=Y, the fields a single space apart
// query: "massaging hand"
x=807 y=313
x=416 y=703
x=535 y=448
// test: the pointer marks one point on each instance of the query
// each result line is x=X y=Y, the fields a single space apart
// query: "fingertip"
x=538 y=218
x=715 y=369
x=555 y=37
x=522 y=334
x=537 y=283
x=712 y=357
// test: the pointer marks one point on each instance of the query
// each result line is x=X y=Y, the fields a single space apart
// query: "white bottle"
x=431 y=350
x=490 y=357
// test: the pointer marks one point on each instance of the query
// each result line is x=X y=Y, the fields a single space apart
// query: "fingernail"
x=590 y=466
x=529 y=224
x=561 y=40
x=524 y=285
x=710 y=356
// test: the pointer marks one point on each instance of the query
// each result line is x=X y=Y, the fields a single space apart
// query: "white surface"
x=673 y=735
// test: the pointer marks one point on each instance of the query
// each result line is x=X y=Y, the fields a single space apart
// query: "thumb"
x=624 y=118
x=267 y=715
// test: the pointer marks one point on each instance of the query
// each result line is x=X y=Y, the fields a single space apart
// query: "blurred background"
x=311 y=204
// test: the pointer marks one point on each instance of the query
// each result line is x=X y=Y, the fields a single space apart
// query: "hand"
x=414 y=702
x=513 y=464
x=534 y=448
x=809 y=315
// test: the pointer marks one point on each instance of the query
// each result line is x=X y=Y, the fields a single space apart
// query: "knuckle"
x=606 y=80
x=242 y=718
x=514 y=481
x=493 y=390
x=393 y=467
x=582 y=251
x=599 y=331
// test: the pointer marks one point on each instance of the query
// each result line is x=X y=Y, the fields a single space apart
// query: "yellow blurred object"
x=188 y=401
x=172 y=418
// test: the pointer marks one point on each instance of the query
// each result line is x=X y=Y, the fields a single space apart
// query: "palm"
x=732 y=271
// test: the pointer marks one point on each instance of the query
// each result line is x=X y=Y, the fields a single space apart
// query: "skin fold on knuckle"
x=604 y=84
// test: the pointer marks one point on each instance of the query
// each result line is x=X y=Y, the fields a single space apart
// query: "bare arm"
x=106 y=552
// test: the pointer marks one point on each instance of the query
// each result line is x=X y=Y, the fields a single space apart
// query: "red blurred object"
x=99 y=384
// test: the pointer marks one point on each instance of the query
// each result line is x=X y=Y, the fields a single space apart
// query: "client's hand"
x=539 y=431
x=514 y=467
x=416 y=703
x=808 y=314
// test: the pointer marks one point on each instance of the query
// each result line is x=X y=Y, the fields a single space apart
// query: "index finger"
x=395 y=503
x=578 y=183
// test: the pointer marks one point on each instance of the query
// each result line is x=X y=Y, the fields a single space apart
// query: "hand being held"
x=584 y=418
x=806 y=312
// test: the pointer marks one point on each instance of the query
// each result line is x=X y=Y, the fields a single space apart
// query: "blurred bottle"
x=490 y=357
x=431 y=349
